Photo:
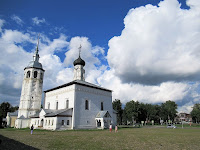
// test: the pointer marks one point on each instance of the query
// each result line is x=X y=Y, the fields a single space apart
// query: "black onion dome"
x=79 y=61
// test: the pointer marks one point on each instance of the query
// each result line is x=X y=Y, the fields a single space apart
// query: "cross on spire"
x=36 y=55
x=37 y=44
x=80 y=50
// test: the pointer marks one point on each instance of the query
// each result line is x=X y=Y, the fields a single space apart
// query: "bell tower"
x=79 y=72
x=31 y=93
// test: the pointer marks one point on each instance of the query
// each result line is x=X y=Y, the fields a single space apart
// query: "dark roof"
x=14 y=113
x=51 y=113
x=102 y=114
x=79 y=82
x=36 y=115
x=79 y=61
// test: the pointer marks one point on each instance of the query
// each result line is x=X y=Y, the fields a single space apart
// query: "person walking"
x=32 y=129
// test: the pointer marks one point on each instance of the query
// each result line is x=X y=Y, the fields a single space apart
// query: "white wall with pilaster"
x=86 y=118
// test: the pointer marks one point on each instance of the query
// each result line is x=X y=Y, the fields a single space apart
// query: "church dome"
x=79 y=61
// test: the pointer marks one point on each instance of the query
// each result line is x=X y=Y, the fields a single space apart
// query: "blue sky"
x=145 y=50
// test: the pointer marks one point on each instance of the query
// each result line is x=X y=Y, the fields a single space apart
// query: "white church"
x=74 y=105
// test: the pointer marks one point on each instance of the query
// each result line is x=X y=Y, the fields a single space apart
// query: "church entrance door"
x=98 y=123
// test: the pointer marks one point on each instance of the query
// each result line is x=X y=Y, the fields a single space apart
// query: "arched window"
x=41 y=76
x=86 y=105
x=67 y=103
x=56 y=105
x=62 y=122
x=28 y=74
x=35 y=74
x=48 y=105
x=52 y=122
x=101 y=105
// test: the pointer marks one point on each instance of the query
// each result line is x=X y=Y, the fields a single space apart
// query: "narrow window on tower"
x=41 y=76
x=35 y=74
x=28 y=74
x=56 y=105
x=86 y=105
x=101 y=105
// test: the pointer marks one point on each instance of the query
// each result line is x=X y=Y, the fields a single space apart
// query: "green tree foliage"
x=4 y=108
x=168 y=110
x=132 y=111
x=195 y=113
x=117 y=106
x=135 y=111
x=124 y=117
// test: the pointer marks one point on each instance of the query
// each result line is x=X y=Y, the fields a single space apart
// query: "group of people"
x=116 y=128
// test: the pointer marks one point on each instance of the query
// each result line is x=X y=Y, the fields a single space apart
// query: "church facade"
x=74 y=105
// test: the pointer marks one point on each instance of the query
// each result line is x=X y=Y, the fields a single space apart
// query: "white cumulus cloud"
x=158 y=43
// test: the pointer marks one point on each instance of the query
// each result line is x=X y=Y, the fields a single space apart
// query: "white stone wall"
x=60 y=96
x=65 y=126
x=86 y=118
x=31 y=93
x=48 y=123
x=77 y=94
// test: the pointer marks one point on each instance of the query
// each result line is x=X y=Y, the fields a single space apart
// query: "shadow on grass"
x=10 y=144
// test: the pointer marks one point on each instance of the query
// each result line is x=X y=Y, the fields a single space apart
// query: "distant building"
x=74 y=105
x=183 y=117
x=11 y=118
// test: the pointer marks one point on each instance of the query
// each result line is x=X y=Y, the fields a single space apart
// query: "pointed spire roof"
x=79 y=61
x=35 y=63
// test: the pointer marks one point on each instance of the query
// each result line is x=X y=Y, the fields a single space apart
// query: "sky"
x=143 y=50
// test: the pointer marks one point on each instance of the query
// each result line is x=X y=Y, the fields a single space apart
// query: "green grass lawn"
x=126 y=138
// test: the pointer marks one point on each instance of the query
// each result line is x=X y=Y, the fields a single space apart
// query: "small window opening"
x=67 y=122
x=101 y=105
x=86 y=105
x=28 y=74
x=62 y=122
x=67 y=103
x=56 y=105
x=35 y=74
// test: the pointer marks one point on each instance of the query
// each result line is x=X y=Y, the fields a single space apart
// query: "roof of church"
x=103 y=114
x=79 y=82
x=14 y=113
x=50 y=112
x=34 y=64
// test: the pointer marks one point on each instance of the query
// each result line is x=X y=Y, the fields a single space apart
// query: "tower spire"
x=36 y=51
x=36 y=55
x=80 y=50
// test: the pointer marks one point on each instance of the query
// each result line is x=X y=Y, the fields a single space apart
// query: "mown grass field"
x=126 y=138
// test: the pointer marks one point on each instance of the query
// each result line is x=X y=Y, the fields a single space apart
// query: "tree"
x=132 y=111
x=117 y=106
x=150 y=112
x=4 y=108
x=195 y=113
x=168 y=110
x=142 y=114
